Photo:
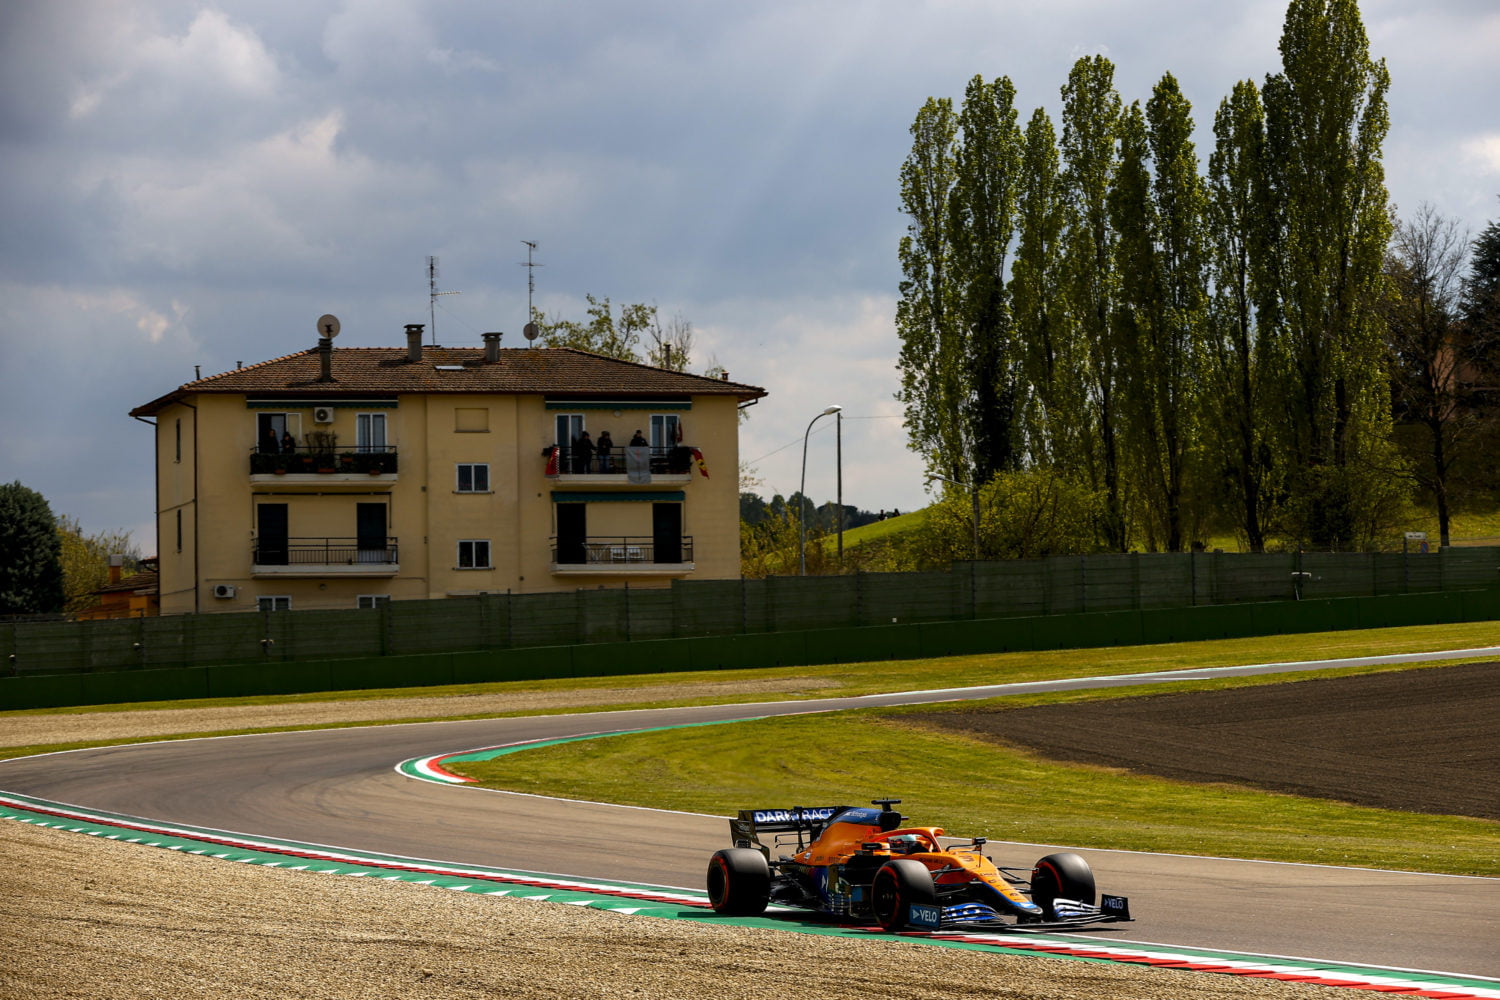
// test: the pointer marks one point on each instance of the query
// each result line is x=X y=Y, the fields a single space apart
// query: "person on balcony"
x=288 y=443
x=268 y=443
x=583 y=453
x=638 y=441
x=604 y=447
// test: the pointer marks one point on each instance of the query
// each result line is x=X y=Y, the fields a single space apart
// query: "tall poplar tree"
x=1091 y=121
x=1177 y=339
x=1043 y=325
x=1244 y=360
x=1326 y=120
x=982 y=230
x=933 y=384
x=1156 y=207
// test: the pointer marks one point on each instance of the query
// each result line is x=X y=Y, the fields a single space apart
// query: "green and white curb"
x=434 y=767
x=671 y=903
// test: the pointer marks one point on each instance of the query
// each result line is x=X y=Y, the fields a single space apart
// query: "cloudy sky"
x=186 y=183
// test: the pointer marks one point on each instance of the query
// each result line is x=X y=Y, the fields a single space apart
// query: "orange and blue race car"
x=862 y=864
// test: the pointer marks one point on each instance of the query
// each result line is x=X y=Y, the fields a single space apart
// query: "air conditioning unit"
x=322 y=414
x=223 y=591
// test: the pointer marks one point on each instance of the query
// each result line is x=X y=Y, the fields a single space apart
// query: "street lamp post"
x=974 y=496
x=802 y=492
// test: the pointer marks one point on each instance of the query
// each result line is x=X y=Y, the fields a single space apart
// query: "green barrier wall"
x=772 y=649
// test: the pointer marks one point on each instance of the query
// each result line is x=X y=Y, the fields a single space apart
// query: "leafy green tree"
x=987 y=165
x=1053 y=355
x=1245 y=356
x=1158 y=217
x=85 y=560
x=933 y=383
x=1431 y=358
x=1023 y=514
x=603 y=333
x=31 y=575
x=1481 y=303
x=1326 y=120
x=1091 y=124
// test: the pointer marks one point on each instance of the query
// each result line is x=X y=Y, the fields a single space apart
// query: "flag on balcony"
x=702 y=466
x=637 y=465
x=677 y=427
x=552 y=461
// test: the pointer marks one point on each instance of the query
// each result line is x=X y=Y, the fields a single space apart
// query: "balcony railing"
x=325 y=552
x=374 y=460
x=676 y=460
x=624 y=550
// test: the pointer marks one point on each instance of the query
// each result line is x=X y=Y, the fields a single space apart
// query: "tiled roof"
x=385 y=370
x=139 y=581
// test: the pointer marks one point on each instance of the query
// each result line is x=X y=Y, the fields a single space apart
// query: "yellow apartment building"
x=344 y=477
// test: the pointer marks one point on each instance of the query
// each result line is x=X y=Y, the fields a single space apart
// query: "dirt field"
x=1417 y=740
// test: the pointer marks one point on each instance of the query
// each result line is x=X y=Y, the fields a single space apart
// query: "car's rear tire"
x=1061 y=876
x=739 y=882
x=896 y=886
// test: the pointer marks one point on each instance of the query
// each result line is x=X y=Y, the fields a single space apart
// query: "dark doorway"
x=370 y=528
x=270 y=534
x=666 y=532
x=572 y=533
x=269 y=427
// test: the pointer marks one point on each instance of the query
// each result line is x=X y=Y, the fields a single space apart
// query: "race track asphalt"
x=338 y=788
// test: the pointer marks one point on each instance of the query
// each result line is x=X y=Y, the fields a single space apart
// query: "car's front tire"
x=896 y=886
x=1061 y=876
x=739 y=882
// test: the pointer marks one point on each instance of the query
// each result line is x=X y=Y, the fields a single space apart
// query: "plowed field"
x=1417 y=740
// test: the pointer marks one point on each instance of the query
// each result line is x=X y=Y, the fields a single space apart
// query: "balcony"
x=340 y=469
x=623 y=555
x=672 y=464
x=324 y=557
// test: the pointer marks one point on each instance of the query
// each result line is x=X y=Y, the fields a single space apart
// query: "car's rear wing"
x=746 y=828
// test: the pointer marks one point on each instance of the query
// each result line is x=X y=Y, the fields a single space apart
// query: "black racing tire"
x=739 y=882
x=1061 y=876
x=897 y=885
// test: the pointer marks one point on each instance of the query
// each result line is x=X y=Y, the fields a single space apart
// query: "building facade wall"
x=211 y=483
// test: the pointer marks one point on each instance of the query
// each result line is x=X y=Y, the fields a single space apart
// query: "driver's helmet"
x=906 y=843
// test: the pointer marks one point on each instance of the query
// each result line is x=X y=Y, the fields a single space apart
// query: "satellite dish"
x=531 y=331
x=328 y=326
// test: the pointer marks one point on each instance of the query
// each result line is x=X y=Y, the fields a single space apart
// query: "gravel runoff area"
x=90 y=919
x=1414 y=740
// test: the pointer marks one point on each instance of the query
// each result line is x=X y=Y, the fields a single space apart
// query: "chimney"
x=723 y=376
x=414 y=342
x=116 y=565
x=492 y=348
x=325 y=359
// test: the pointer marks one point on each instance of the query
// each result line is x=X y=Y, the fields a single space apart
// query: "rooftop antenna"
x=432 y=296
x=531 y=330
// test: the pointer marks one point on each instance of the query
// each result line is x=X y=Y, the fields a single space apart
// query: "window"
x=568 y=427
x=274 y=603
x=179 y=439
x=665 y=430
x=272 y=431
x=179 y=531
x=471 y=419
x=372 y=600
x=474 y=553
x=369 y=432
x=473 y=477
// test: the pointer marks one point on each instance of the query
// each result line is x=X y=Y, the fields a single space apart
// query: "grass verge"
x=843 y=679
